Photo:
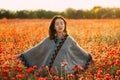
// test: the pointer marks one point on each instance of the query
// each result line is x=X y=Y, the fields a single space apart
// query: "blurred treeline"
x=95 y=13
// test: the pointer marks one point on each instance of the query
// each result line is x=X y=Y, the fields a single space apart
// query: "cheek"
x=64 y=27
x=55 y=27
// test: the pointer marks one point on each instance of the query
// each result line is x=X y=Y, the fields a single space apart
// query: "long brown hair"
x=52 y=31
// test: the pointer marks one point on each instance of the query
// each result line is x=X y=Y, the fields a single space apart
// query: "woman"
x=57 y=48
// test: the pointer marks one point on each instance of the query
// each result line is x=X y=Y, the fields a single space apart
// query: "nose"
x=60 y=25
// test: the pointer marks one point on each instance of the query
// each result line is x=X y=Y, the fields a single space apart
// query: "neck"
x=60 y=34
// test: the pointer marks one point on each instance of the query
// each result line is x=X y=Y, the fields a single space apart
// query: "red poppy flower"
x=64 y=63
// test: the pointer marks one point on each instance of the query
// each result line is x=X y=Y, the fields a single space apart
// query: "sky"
x=56 y=5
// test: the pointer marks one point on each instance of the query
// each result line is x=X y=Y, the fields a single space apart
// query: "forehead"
x=59 y=20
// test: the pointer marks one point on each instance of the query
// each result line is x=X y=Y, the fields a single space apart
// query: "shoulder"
x=70 y=38
x=45 y=40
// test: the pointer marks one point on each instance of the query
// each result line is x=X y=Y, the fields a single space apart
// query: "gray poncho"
x=70 y=52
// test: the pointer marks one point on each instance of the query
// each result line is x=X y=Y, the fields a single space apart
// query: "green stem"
x=49 y=73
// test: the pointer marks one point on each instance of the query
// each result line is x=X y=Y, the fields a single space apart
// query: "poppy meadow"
x=100 y=37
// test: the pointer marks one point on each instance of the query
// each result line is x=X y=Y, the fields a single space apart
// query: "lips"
x=60 y=28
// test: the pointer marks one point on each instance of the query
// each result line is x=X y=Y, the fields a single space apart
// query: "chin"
x=60 y=31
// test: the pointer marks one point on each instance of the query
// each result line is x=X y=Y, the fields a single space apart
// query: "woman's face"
x=59 y=25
